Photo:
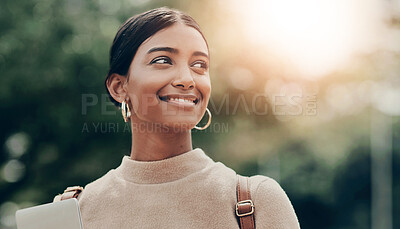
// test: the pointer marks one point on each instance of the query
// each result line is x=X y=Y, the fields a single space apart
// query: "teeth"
x=181 y=100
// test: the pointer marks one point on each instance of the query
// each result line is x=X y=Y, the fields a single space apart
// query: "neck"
x=152 y=142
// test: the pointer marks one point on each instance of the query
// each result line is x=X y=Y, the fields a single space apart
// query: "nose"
x=184 y=79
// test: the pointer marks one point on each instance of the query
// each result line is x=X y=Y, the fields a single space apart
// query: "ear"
x=116 y=85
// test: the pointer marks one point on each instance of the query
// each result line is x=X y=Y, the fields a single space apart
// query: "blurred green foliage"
x=53 y=60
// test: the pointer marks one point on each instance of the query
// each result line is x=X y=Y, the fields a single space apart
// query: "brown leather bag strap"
x=70 y=192
x=244 y=205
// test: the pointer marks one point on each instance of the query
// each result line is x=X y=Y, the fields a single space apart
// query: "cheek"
x=147 y=81
x=143 y=96
x=204 y=86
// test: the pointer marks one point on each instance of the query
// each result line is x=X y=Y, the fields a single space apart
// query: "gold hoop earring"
x=126 y=112
x=208 y=123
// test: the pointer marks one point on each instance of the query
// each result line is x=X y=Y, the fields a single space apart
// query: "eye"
x=161 y=60
x=200 y=64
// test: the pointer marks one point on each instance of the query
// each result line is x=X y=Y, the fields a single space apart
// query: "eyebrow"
x=165 y=49
x=197 y=53
x=174 y=51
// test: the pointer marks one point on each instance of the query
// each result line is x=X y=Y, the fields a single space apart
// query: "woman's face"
x=169 y=80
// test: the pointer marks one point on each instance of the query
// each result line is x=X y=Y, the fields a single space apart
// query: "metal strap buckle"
x=243 y=202
x=73 y=189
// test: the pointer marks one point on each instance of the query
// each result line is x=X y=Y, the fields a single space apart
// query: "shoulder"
x=273 y=207
x=263 y=186
x=102 y=182
x=77 y=191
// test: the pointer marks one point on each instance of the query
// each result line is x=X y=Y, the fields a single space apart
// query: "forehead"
x=179 y=36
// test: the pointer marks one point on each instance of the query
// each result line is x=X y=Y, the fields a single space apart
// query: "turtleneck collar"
x=162 y=171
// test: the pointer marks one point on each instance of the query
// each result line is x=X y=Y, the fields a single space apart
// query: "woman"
x=159 y=75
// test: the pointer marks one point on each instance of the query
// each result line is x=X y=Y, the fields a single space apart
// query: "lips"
x=180 y=98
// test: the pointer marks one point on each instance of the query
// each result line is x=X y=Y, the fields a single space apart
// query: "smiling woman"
x=159 y=76
x=167 y=82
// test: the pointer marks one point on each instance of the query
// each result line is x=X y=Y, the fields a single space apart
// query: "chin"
x=180 y=125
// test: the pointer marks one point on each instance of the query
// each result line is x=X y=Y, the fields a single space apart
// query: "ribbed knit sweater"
x=185 y=191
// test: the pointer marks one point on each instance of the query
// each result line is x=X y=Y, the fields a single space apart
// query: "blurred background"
x=304 y=91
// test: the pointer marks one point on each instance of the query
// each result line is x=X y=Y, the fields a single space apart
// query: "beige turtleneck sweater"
x=186 y=191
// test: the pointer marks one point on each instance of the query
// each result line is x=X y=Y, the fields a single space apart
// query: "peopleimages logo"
x=255 y=104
